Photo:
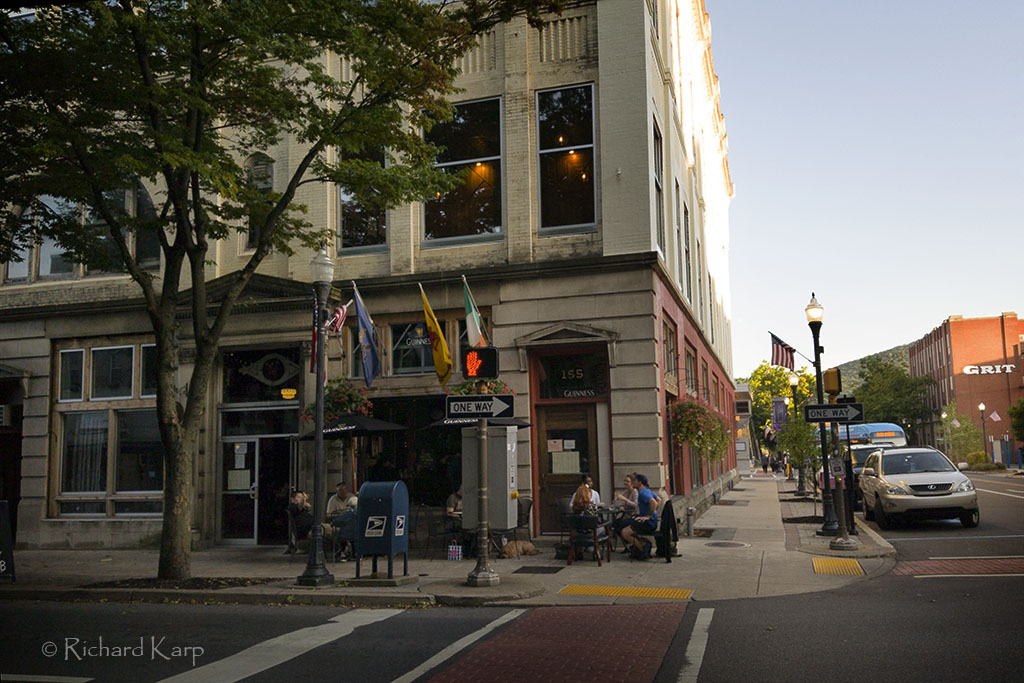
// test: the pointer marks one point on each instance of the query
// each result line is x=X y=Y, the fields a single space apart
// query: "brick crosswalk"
x=574 y=643
x=955 y=566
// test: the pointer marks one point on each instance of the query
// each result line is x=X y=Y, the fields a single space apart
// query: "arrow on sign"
x=843 y=413
x=498 y=405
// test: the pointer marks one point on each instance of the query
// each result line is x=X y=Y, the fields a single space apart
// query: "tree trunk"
x=176 y=535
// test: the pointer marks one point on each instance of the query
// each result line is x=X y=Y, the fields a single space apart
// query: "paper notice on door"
x=554 y=445
x=565 y=462
x=569 y=444
x=239 y=461
x=239 y=480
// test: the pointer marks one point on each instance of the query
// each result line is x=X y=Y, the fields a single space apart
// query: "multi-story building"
x=973 y=362
x=593 y=232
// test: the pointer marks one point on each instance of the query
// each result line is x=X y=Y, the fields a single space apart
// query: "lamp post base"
x=315 y=581
x=482 y=576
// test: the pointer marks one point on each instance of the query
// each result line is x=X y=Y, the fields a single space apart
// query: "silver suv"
x=918 y=482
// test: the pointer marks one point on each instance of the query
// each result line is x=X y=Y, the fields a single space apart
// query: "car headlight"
x=965 y=485
x=893 y=490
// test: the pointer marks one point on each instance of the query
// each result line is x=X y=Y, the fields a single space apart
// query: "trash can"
x=382 y=514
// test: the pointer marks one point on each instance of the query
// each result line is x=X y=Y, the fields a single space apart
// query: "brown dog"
x=514 y=548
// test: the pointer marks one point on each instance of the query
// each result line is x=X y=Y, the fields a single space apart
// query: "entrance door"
x=567 y=447
x=254 y=485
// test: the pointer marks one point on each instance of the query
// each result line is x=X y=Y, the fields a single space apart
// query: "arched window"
x=259 y=171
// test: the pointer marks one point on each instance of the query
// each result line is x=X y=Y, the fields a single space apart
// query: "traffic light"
x=480 y=362
x=833 y=382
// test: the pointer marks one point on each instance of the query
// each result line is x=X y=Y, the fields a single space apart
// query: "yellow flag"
x=442 y=358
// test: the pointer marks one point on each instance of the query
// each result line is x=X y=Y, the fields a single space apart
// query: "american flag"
x=782 y=353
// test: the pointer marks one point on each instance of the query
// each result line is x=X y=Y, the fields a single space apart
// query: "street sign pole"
x=482 y=574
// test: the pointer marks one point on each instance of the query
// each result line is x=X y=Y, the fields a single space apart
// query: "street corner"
x=455 y=592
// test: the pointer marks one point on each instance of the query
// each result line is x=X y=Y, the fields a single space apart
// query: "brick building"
x=600 y=271
x=974 y=361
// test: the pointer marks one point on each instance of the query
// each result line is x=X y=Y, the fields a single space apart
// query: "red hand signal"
x=473 y=363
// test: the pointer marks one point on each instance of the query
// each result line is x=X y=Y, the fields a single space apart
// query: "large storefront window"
x=85 y=452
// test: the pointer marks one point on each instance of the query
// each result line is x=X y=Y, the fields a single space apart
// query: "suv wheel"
x=970 y=519
x=884 y=520
x=869 y=513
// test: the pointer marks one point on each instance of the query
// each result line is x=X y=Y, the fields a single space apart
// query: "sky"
x=877 y=153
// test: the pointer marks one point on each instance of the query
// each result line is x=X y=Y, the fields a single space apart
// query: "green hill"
x=851 y=371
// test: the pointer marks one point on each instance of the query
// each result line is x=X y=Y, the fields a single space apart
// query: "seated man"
x=595 y=497
x=453 y=511
x=340 y=507
x=645 y=522
x=301 y=513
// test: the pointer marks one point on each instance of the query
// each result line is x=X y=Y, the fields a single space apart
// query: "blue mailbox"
x=383 y=515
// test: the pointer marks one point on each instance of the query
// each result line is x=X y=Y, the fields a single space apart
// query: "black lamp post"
x=322 y=272
x=814 y=312
x=984 y=433
x=801 y=487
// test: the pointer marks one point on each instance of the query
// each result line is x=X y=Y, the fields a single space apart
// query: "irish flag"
x=474 y=325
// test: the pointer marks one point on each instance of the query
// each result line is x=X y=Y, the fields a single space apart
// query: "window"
x=691 y=370
x=112 y=372
x=668 y=331
x=688 y=288
x=704 y=380
x=565 y=142
x=355 y=352
x=471 y=147
x=147 y=241
x=363 y=224
x=259 y=170
x=711 y=305
x=140 y=463
x=659 y=208
x=149 y=371
x=700 y=286
x=410 y=349
x=72 y=368
x=85 y=452
x=45 y=259
x=714 y=393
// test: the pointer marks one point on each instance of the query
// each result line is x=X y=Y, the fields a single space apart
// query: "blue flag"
x=367 y=340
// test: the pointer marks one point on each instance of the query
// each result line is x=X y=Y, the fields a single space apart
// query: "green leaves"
x=890 y=394
x=695 y=423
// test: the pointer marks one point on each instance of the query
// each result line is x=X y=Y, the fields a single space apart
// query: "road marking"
x=629 y=592
x=1000 y=493
x=28 y=678
x=695 y=648
x=951 y=538
x=978 y=557
x=279 y=650
x=961 y=576
x=837 y=566
x=459 y=645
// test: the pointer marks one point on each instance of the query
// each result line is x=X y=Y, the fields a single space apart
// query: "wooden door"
x=566 y=448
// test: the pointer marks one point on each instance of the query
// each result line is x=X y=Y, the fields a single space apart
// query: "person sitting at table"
x=301 y=513
x=339 y=505
x=588 y=481
x=583 y=500
x=626 y=503
x=453 y=511
x=645 y=522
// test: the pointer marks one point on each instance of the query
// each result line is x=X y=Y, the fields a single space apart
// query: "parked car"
x=916 y=482
x=858 y=455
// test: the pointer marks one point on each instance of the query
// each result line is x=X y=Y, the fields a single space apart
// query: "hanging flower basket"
x=479 y=386
x=694 y=423
x=341 y=397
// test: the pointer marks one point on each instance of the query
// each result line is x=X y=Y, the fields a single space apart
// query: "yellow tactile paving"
x=629 y=592
x=837 y=566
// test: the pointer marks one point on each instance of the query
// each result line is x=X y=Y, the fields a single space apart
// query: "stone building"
x=593 y=231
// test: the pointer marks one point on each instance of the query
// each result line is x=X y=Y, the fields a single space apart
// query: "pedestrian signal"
x=480 y=362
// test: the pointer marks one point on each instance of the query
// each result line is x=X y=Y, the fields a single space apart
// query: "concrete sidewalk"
x=743 y=549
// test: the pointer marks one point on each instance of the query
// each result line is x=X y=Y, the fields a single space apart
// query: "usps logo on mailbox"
x=375 y=525
x=400 y=525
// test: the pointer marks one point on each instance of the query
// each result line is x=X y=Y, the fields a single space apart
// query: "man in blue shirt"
x=645 y=521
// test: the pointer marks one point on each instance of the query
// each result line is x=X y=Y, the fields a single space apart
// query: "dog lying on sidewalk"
x=514 y=548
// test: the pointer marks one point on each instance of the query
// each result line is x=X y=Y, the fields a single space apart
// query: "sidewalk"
x=742 y=549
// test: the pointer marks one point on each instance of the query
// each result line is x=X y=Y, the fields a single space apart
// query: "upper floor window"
x=691 y=369
x=470 y=145
x=565 y=142
x=259 y=170
x=363 y=224
x=668 y=331
x=704 y=381
x=659 y=207
x=688 y=287
x=44 y=259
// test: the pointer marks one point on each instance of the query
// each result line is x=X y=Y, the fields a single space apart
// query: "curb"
x=452 y=592
x=883 y=549
x=284 y=597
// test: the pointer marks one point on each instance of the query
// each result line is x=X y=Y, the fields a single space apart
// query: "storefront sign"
x=989 y=369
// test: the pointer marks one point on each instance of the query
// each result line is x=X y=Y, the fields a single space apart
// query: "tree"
x=890 y=394
x=962 y=436
x=178 y=94
x=1017 y=420
x=798 y=439
x=768 y=381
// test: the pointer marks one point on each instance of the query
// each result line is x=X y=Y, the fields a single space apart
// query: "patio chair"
x=563 y=507
x=588 y=532
x=437 y=530
x=523 y=505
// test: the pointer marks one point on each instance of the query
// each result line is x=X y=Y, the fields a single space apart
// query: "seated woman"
x=453 y=511
x=583 y=500
x=626 y=503
x=301 y=513
x=645 y=522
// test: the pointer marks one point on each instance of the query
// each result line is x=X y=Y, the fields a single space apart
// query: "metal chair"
x=564 y=508
x=588 y=532
x=523 y=505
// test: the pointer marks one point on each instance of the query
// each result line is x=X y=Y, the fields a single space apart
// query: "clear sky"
x=878 y=156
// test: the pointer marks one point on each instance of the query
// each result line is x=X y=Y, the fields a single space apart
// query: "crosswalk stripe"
x=30 y=678
x=456 y=647
x=1000 y=493
x=695 y=648
x=279 y=650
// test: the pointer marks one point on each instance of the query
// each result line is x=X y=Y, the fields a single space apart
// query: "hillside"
x=851 y=371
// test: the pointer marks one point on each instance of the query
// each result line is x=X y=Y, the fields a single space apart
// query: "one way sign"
x=494 y=405
x=842 y=413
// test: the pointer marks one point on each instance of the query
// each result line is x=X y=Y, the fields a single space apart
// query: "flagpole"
x=472 y=299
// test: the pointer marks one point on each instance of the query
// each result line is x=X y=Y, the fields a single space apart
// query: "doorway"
x=567 y=446
x=254 y=490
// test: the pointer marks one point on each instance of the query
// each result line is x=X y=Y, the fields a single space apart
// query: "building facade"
x=974 y=361
x=593 y=231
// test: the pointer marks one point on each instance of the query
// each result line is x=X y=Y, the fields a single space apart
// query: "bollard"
x=690 y=513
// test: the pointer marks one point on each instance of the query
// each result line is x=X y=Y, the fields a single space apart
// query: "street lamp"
x=801 y=487
x=815 y=312
x=984 y=435
x=322 y=272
